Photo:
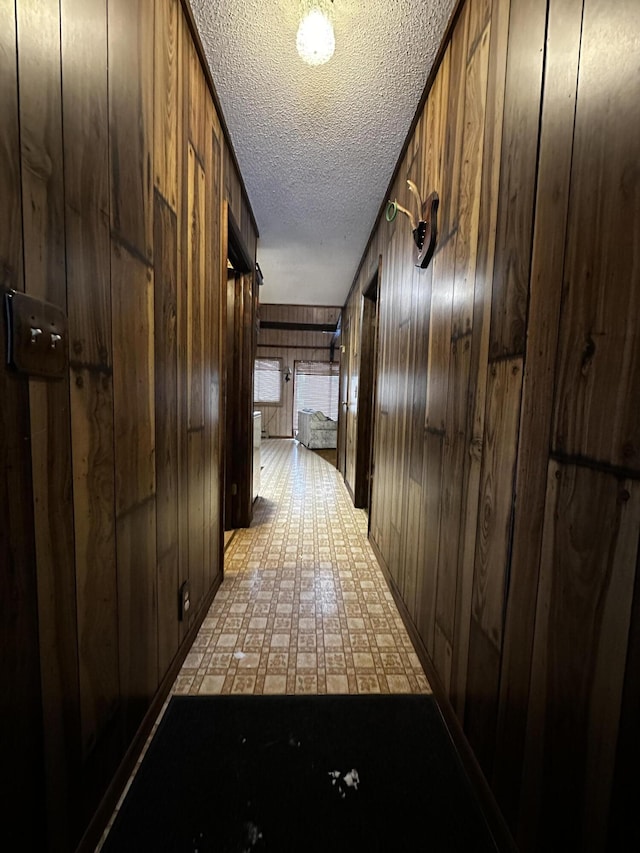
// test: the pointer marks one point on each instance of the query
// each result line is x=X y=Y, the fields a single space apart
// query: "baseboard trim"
x=102 y=815
x=353 y=500
x=494 y=817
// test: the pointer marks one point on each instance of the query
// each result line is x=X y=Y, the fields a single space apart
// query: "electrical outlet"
x=184 y=601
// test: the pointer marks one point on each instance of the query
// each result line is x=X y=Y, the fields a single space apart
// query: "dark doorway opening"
x=366 y=394
x=239 y=359
x=344 y=397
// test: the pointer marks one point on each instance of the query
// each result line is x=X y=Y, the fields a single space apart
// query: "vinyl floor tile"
x=304 y=606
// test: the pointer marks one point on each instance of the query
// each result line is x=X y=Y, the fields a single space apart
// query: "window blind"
x=316 y=387
x=267 y=379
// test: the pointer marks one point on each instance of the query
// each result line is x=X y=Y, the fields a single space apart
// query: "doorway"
x=240 y=347
x=366 y=395
x=344 y=397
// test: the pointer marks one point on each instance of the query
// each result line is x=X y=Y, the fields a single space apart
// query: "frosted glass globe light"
x=315 y=40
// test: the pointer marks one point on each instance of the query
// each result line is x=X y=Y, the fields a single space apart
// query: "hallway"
x=304 y=607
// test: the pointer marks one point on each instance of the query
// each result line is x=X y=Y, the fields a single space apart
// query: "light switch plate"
x=36 y=336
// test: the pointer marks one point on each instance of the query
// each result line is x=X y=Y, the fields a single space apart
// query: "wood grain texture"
x=137 y=611
x=86 y=186
x=454 y=118
x=420 y=303
x=131 y=30
x=490 y=580
x=196 y=260
x=435 y=129
x=523 y=280
x=133 y=379
x=214 y=540
x=463 y=316
x=468 y=203
x=588 y=562
x=22 y=791
x=487 y=217
x=11 y=210
x=426 y=585
x=354 y=348
x=85 y=109
x=479 y=17
x=166 y=99
x=166 y=421
x=197 y=93
x=481 y=696
x=366 y=372
x=38 y=32
x=599 y=356
x=182 y=300
x=556 y=145
x=232 y=186
x=439 y=350
x=95 y=550
x=496 y=491
x=195 y=504
x=459 y=257
x=451 y=520
x=100 y=113
x=517 y=176
x=240 y=354
x=245 y=436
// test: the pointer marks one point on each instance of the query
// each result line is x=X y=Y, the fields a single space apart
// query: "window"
x=267 y=382
x=317 y=388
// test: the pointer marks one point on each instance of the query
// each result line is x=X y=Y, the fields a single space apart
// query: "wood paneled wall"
x=113 y=175
x=505 y=502
x=292 y=345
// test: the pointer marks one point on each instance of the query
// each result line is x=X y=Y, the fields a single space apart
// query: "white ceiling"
x=317 y=146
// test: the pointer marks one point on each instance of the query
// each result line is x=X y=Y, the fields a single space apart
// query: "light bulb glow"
x=315 y=40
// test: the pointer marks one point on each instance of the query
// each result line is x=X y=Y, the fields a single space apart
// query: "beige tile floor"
x=304 y=607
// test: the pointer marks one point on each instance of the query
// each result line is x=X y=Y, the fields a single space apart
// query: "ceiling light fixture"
x=315 y=39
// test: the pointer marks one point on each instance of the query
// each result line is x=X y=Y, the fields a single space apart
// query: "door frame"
x=239 y=358
x=367 y=390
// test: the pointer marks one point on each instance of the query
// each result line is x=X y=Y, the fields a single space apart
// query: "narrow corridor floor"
x=304 y=606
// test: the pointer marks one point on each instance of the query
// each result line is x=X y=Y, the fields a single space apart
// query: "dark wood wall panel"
x=166 y=423
x=166 y=118
x=85 y=110
x=197 y=94
x=86 y=143
x=135 y=437
x=504 y=501
x=131 y=88
x=137 y=615
x=556 y=145
x=38 y=32
x=497 y=34
x=133 y=379
x=599 y=356
x=589 y=554
x=195 y=290
x=109 y=502
x=522 y=97
x=195 y=504
x=491 y=562
x=22 y=788
x=214 y=436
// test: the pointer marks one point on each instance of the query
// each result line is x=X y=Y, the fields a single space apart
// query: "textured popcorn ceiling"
x=317 y=146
